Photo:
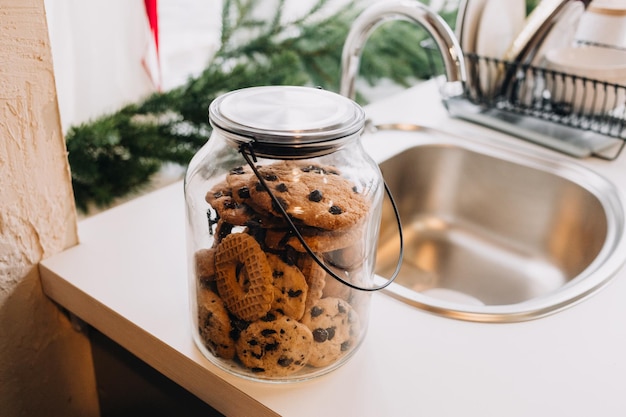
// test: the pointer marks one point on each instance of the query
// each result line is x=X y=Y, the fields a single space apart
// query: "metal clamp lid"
x=287 y=121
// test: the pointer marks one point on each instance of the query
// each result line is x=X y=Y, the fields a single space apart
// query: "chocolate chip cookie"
x=335 y=328
x=275 y=348
x=312 y=195
x=214 y=324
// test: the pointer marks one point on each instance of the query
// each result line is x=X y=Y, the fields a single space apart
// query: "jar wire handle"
x=247 y=151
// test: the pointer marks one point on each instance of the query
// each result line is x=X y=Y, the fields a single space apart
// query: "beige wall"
x=45 y=366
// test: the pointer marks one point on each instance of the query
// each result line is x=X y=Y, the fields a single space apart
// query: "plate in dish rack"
x=500 y=23
x=467 y=22
x=468 y=19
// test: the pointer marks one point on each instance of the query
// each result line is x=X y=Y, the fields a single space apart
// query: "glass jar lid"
x=287 y=121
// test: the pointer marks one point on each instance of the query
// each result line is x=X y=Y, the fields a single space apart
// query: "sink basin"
x=495 y=234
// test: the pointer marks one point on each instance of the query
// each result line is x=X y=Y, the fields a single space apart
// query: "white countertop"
x=127 y=278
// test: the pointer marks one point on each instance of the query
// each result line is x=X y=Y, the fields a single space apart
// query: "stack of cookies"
x=263 y=301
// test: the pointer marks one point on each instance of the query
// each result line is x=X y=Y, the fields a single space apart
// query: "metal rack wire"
x=575 y=115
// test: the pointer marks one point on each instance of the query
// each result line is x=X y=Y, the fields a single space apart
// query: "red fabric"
x=151 y=60
x=153 y=19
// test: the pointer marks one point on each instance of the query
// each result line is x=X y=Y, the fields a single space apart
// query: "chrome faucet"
x=413 y=11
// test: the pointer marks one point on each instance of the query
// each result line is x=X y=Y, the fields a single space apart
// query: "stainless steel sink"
x=495 y=234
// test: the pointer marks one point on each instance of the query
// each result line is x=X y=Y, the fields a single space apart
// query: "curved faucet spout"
x=410 y=10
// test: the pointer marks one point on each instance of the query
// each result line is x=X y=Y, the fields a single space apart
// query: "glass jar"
x=283 y=213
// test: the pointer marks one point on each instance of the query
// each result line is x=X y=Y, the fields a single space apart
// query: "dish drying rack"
x=544 y=106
